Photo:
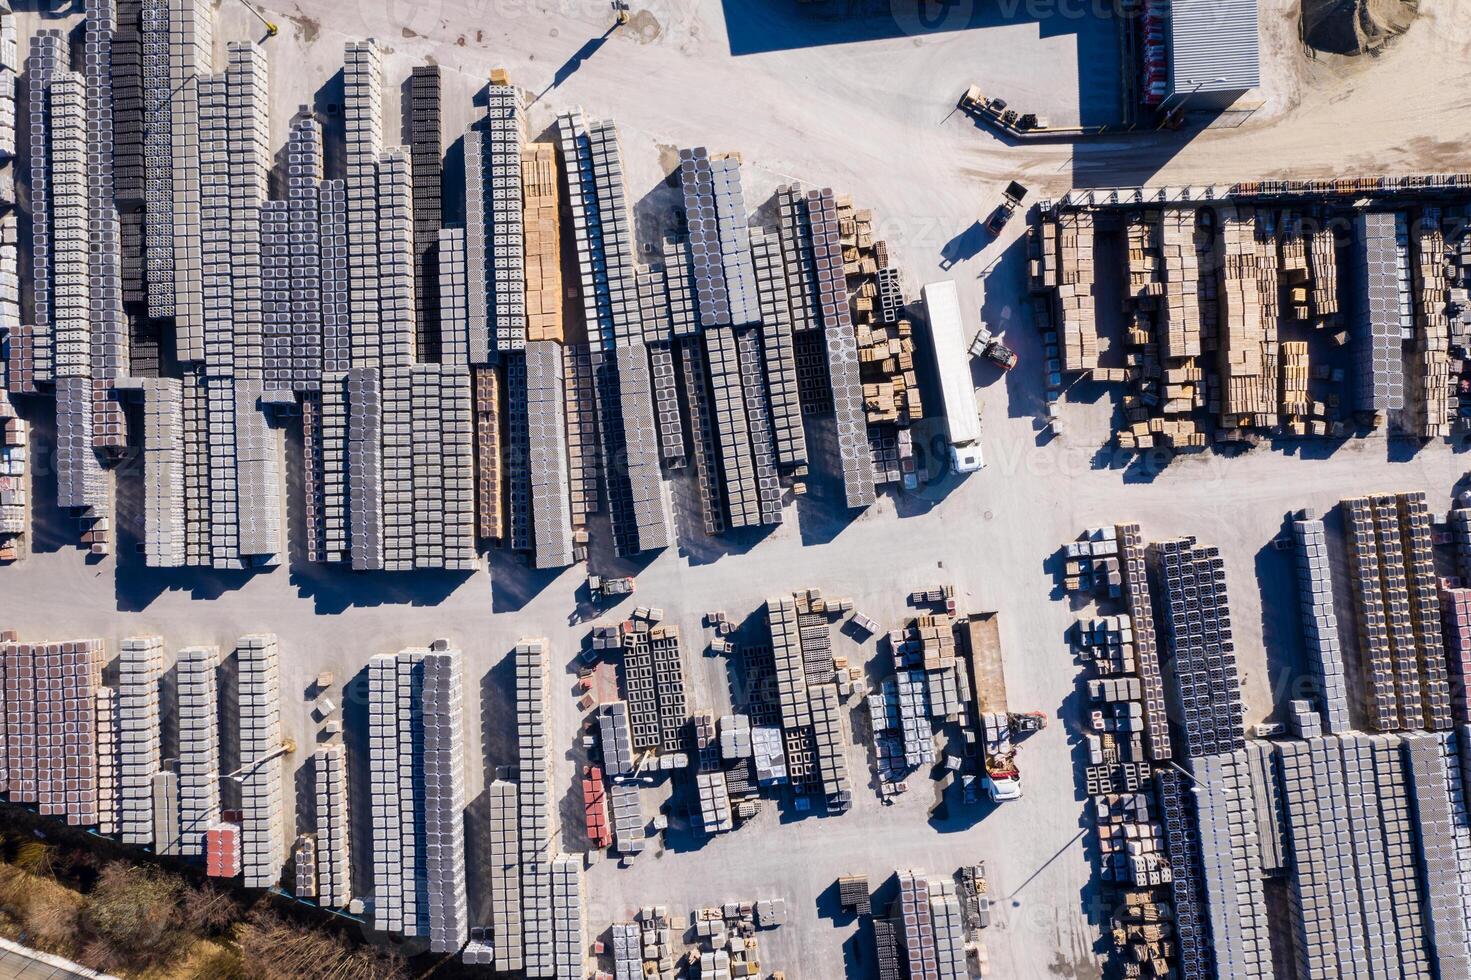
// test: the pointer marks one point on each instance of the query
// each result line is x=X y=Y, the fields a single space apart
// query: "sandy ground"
x=870 y=116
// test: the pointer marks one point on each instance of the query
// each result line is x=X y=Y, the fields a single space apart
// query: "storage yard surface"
x=873 y=118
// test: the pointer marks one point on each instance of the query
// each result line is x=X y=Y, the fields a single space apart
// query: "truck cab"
x=966 y=459
x=1003 y=789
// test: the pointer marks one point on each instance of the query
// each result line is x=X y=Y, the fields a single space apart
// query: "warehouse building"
x=1214 y=53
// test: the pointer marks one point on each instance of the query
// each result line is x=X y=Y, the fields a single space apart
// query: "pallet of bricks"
x=891 y=399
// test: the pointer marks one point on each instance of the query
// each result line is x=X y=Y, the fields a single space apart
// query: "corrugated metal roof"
x=1214 y=46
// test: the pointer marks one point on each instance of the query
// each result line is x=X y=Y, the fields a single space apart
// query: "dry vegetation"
x=138 y=922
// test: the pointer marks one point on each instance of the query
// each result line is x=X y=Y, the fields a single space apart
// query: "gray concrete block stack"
x=163 y=473
x=568 y=929
x=191 y=43
x=363 y=116
x=548 y=473
x=166 y=812
x=1230 y=861
x=198 y=764
x=778 y=349
x=1320 y=620
x=1396 y=599
x=396 y=258
x=110 y=335
x=1380 y=291
x=949 y=926
x=1207 y=687
x=1456 y=607
x=1139 y=598
x=108 y=761
x=332 y=855
x=444 y=800
x=832 y=746
x=627 y=951
x=158 y=157
x=139 y=666
x=263 y=833
x=1266 y=798
x=629 y=823
x=308 y=236
x=1439 y=800
x=791 y=676
x=536 y=814
x=505 y=254
x=454 y=298
x=505 y=875
x=395 y=745
x=615 y=738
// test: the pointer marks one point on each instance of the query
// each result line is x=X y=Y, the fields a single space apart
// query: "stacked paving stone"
x=163 y=473
x=1354 y=823
x=550 y=490
x=199 y=746
x=166 y=812
x=444 y=800
x=536 y=813
x=842 y=351
x=619 y=359
x=1198 y=631
x=1320 y=620
x=1230 y=859
x=1398 y=606
x=505 y=875
x=49 y=751
x=426 y=159
x=1381 y=292
x=397 y=791
x=263 y=836
x=778 y=349
x=140 y=666
x=332 y=851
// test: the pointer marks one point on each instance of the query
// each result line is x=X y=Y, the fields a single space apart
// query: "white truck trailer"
x=952 y=364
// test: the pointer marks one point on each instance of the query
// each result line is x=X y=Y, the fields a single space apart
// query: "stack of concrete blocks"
x=615 y=737
x=1320 y=620
x=1207 y=687
x=505 y=272
x=832 y=746
x=1181 y=842
x=166 y=812
x=629 y=825
x=536 y=811
x=199 y=746
x=735 y=738
x=454 y=339
x=791 y=675
x=275 y=296
x=714 y=797
x=1456 y=605
x=248 y=140
x=109 y=329
x=425 y=124
x=1137 y=595
x=489 y=523
x=9 y=252
x=263 y=837
x=191 y=43
x=1382 y=306
x=444 y=800
x=364 y=478
x=428 y=468
x=333 y=854
x=163 y=473
x=1303 y=720
x=767 y=755
x=707 y=452
x=260 y=476
x=477 y=259
x=619 y=359
x=669 y=687
x=547 y=449
x=139 y=666
x=628 y=947
x=1230 y=859
x=917 y=926
x=910 y=694
x=336 y=293
x=1460 y=520
x=518 y=453
x=505 y=875
x=396 y=772
x=304 y=857
x=48 y=58
x=307 y=239
x=1437 y=788
x=1353 y=880
x=639 y=689
x=108 y=761
x=480 y=950
x=778 y=351
x=949 y=926
x=15 y=483
x=842 y=350
x=653 y=297
x=582 y=432
x=396 y=258
x=1398 y=605
x=158 y=157
x=1266 y=794
x=50 y=744
x=363 y=118
x=568 y=928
